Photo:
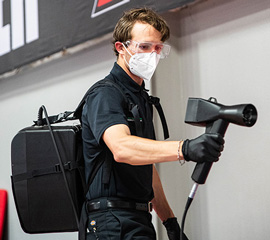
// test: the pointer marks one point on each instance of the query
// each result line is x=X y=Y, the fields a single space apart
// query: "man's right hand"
x=207 y=147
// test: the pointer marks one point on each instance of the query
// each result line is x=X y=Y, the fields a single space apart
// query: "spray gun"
x=216 y=118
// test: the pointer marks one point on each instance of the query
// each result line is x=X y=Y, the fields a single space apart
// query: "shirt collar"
x=120 y=75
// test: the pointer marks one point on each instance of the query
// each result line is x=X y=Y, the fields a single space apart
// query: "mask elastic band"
x=128 y=53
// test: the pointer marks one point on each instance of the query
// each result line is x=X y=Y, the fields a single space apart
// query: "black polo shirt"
x=105 y=107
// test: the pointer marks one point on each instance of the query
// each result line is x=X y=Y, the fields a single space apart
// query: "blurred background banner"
x=33 y=29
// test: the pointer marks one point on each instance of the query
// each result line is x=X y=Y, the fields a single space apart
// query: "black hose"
x=189 y=201
x=43 y=109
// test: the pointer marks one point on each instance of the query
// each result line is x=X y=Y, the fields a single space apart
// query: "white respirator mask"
x=143 y=65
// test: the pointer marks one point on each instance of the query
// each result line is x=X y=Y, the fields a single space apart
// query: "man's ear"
x=119 y=47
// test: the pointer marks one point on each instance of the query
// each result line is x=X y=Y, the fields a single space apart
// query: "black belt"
x=104 y=204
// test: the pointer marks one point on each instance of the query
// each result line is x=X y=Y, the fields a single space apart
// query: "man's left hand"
x=173 y=229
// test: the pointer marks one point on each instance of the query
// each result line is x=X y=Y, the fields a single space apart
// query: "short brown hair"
x=123 y=28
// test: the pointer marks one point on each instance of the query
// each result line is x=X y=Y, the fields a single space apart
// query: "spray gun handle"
x=202 y=170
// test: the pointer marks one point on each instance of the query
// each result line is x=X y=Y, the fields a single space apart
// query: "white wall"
x=220 y=49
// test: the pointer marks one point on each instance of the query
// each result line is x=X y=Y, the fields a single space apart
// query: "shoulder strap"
x=132 y=107
x=156 y=102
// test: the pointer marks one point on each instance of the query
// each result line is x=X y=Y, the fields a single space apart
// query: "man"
x=119 y=197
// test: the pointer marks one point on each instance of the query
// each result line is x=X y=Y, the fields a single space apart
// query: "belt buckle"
x=150 y=206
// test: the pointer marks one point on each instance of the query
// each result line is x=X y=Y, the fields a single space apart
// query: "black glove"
x=173 y=229
x=207 y=147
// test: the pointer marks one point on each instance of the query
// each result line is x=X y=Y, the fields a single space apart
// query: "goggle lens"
x=146 y=47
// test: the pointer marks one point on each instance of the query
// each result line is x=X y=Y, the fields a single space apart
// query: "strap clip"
x=154 y=100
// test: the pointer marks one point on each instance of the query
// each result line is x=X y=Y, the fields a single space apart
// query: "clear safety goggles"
x=148 y=47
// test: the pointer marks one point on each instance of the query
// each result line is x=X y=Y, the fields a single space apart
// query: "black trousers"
x=120 y=225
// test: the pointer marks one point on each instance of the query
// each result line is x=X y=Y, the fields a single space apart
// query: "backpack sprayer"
x=216 y=118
